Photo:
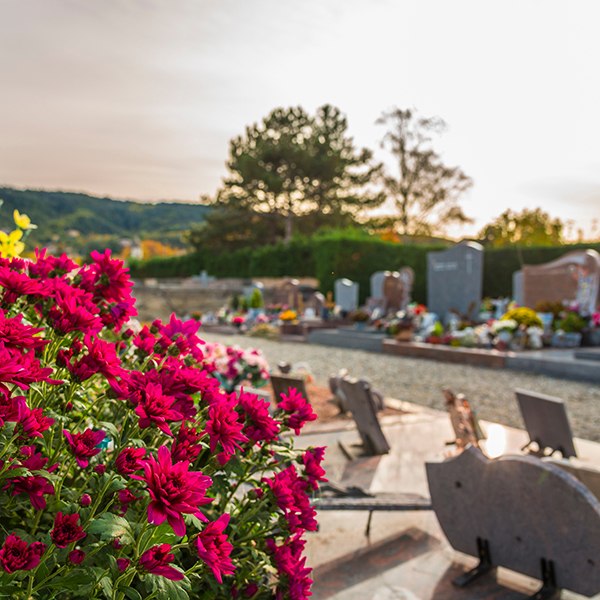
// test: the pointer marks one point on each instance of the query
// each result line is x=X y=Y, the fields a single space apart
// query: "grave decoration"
x=233 y=365
x=462 y=418
x=126 y=471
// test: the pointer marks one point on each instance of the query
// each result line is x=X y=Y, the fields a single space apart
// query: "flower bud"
x=85 y=500
x=123 y=563
x=100 y=469
x=155 y=327
x=76 y=556
x=127 y=334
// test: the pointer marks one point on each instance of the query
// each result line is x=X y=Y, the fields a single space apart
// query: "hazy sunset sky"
x=139 y=99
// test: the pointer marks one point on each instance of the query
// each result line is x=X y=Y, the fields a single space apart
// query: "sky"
x=138 y=99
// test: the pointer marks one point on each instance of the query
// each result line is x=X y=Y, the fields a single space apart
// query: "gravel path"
x=490 y=391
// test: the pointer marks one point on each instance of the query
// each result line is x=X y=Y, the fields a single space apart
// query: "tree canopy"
x=527 y=228
x=425 y=191
x=293 y=169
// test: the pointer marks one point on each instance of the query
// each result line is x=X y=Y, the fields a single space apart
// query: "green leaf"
x=74 y=579
x=163 y=534
x=18 y=472
x=170 y=590
x=131 y=593
x=109 y=428
x=112 y=526
x=107 y=587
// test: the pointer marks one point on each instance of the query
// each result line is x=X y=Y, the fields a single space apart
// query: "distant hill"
x=56 y=213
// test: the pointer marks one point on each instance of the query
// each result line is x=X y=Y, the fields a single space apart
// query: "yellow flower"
x=10 y=245
x=23 y=221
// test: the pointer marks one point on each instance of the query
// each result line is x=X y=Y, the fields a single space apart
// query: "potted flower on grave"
x=435 y=337
x=359 y=318
x=593 y=331
x=403 y=329
x=503 y=331
x=569 y=329
x=288 y=316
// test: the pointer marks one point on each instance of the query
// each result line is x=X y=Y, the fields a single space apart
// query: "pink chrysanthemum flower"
x=156 y=408
x=186 y=445
x=130 y=460
x=17 y=555
x=15 y=334
x=261 y=426
x=84 y=445
x=214 y=549
x=18 y=284
x=224 y=428
x=32 y=423
x=299 y=408
x=35 y=486
x=313 y=471
x=156 y=560
x=66 y=530
x=174 y=490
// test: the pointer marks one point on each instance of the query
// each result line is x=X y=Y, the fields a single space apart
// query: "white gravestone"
x=346 y=294
x=377 y=283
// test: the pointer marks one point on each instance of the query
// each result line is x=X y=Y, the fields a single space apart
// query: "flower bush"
x=233 y=365
x=126 y=471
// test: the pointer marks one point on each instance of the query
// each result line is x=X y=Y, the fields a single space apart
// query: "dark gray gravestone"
x=282 y=383
x=455 y=280
x=361 y=404
x=546 y=422
x=526 y=509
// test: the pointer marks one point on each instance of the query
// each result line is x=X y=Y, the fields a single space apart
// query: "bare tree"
x=426 y=191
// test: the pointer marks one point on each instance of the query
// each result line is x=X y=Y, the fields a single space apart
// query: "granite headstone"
x=574 y=277
x=397 y=288
x=517 y=287
x=525 y=509
x=288 y=294
x=455 y=280
x=346 y=294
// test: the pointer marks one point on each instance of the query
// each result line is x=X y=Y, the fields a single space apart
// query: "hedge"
x=353 y=256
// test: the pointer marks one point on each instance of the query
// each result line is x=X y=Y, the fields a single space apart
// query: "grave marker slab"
x=288 y=293
x=574 y=277
x=526 y=509
x=546 y=422
x=346 y=294
x=282 y=383
x=455 y=280
x=361 y=404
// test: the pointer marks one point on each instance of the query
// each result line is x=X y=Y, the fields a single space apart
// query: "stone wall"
x=159 y=298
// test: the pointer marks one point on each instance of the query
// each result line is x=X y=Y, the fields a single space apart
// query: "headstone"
x=517 y=287
x=377 y=283
x=248 y=290
x=574 y=277
x=546 y=422
x=397 y=289
x=288 y=293
x=316 y=301
x=525 y=509
x=282 y=383
x=346 y=294
x=455 y=280
x=361 y=404
x=465 y=425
